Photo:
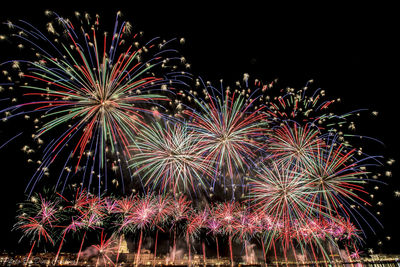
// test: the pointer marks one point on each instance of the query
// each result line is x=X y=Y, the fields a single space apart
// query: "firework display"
x=247 y=165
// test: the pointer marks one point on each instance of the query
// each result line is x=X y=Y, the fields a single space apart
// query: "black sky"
x=351 y=52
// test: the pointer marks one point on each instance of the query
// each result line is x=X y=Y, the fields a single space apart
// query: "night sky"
x=351 y=52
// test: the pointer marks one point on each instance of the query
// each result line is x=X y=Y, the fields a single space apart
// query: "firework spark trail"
x=10 y=140
x=306 y=106
x=123 y=208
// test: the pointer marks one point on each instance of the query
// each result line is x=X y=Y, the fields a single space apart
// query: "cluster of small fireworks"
x=234 y=163
x=58 y=219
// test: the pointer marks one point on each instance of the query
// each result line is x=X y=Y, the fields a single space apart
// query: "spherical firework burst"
x=215 y=227
x=93 y=88
x=105 y=249
x=164 y=210
x=125 y=205
x=36 y=220
x=228 y=128
x=169 y=157
x=292 y=145
x=197 y=221
x=227 y=213
x=337 y=178
x=285 y=195
x=142 y=216
x=143 y=212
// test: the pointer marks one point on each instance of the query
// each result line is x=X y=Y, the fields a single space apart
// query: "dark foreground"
x=47 y=259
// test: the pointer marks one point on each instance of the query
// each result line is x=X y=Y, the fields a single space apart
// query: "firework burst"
x=293 y=146
x=93 y=88
x=286 y=196
x=228 y=129
x=105 y=249
x=337 y=178
x=36 y=220
x=227 y=214
x=169 y=157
